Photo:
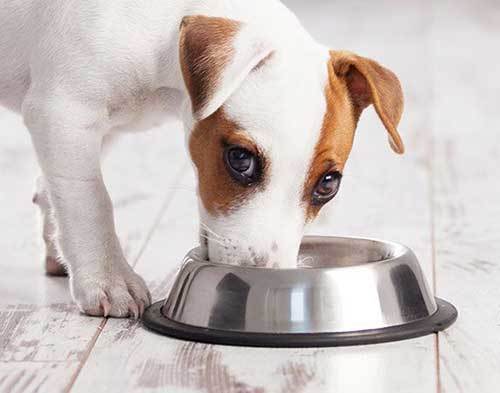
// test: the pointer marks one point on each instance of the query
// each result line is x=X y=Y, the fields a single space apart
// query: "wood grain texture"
x=42 y=336
x=21 y=377
x=466 y=163
x=44 y=340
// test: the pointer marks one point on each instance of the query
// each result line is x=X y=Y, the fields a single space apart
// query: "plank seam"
x=86 y=355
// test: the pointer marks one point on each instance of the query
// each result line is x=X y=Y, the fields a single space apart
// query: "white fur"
x=80 y=70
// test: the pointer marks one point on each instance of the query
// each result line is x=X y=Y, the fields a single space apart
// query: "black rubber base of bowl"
x=440 y=320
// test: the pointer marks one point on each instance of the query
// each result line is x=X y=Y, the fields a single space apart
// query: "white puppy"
x=270 y=116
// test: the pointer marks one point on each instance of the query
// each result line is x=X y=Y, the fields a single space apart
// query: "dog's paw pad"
x=105 y=306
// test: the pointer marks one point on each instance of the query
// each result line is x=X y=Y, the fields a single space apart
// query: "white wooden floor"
x=442 y=199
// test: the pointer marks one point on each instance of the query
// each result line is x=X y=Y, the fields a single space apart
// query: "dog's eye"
x=242 y=164
x=326 y=188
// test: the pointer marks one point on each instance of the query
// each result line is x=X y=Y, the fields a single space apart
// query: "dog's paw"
x=120 y=294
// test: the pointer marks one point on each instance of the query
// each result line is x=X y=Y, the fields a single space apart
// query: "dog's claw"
x=141 y=308
x=119 y=297
x=133 y=310
x=106 y=307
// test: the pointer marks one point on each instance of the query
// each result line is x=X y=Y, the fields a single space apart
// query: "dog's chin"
x=232 y=253
x=224 y=255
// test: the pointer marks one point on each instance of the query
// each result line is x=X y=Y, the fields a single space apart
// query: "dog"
x=269 y=115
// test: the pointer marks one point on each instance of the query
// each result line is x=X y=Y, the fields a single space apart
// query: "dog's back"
x=16 y=32
x=46 y=38
x=109 y=39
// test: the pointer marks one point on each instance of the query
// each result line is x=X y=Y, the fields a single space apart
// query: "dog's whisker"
x=210 y=230
x=205 y=226
x=212 y=239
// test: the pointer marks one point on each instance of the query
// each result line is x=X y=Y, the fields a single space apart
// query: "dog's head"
x=270 y=131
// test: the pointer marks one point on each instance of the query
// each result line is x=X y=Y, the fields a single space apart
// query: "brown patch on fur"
x=335 y=140
x=204 y=50
x=218 y=191
x=370 y=83
x=354 y=83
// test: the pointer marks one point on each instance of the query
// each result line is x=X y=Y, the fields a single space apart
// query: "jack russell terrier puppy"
x=270 y=116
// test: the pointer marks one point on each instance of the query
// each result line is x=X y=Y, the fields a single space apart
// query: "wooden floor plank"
x=21 y=377
x=43 y=337
x=467 y=191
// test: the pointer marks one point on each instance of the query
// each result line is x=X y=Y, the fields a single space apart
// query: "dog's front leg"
x=67 y=138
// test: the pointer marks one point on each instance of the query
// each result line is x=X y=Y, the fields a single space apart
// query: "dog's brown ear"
x=216 y=55
x=370 y=83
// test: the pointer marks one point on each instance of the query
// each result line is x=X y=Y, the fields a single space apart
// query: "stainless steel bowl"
x=350 y=291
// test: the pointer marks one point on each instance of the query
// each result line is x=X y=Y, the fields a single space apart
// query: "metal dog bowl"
x=352 y=291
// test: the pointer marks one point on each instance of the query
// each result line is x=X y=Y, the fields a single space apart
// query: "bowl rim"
x=445 y=315
x=191 y=256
